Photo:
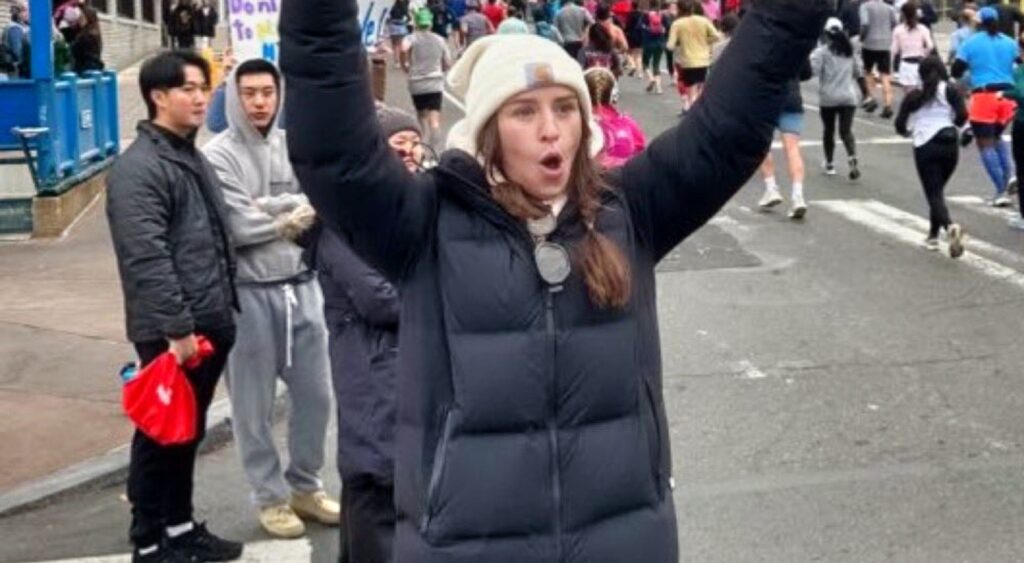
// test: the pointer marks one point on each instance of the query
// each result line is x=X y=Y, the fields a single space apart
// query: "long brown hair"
x=605 y=267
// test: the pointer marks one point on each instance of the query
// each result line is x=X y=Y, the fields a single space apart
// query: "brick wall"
x=125 y=40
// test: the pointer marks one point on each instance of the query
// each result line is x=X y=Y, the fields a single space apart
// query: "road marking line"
x=981 y=205
x=894 y=140
x=921 y=225
x=867 y=213
x=274 y=551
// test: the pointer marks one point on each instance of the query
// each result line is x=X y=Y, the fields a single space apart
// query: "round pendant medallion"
x=552 y=262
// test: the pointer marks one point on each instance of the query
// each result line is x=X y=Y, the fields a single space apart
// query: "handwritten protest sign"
x=253 y=25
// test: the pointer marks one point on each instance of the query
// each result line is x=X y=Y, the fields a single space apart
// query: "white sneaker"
x=829 y=168
x=1017 y=223
x=1002 y=200
x=770 y=199
x=931 y=244
x=799 y=208
x=1011 y=186
x=956 y=241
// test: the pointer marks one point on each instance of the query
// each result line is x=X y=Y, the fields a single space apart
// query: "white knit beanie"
x=497 y=67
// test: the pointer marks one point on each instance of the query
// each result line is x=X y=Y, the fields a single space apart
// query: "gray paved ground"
x=835 y=392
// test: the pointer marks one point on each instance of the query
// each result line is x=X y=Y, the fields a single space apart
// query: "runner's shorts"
x=687 y=77
x=991 y=108
x=909 y=75
x=792 y=123
x=882 y=60
x=427 y=102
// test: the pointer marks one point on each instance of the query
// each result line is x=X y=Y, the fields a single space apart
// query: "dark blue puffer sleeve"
x=689 y=172
x=354 y=180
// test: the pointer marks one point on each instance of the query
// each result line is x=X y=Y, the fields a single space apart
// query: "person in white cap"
x=531 y=425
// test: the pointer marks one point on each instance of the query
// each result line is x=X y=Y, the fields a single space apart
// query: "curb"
x=111 y=468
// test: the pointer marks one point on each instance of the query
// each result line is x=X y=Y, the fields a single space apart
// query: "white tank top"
x=933 y=117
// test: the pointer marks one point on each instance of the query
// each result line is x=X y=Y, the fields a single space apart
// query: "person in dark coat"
x=531 y=426
x=183 y=24
x=362 y=310
x=206 y=23
x=167 y=221
x=87 y=46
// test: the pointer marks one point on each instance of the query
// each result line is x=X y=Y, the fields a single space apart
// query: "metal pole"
x=41 y=36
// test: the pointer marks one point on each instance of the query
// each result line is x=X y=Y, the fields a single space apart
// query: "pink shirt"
x=623 y=138
x=712 y=10
x=910 y=43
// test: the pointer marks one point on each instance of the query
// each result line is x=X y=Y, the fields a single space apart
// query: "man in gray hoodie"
x=281 y=327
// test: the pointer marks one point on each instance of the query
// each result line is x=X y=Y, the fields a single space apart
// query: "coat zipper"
x=556 y=470
x=437 y=471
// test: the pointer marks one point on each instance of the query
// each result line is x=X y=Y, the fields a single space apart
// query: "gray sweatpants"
x=281 y=333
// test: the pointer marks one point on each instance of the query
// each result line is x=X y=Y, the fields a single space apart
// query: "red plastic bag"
x=160 y=401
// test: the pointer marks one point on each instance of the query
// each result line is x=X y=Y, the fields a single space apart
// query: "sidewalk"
x=62 y=340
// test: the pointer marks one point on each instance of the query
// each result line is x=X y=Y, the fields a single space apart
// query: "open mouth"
x=552 y=162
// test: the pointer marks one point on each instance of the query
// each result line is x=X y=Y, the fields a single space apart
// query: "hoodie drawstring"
x=290 y=302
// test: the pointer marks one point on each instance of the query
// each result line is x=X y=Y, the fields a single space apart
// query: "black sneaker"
x=869 y=105
x=886 y=112
x=200 y=545
x=162 y=555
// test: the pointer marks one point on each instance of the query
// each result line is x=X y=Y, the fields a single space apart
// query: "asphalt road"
x=835 y=392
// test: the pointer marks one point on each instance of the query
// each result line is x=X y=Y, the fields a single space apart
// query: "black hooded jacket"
x=531 y=426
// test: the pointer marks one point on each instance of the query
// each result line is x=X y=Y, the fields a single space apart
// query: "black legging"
x=1018 y=157
x=936 y=160
x=828 y=119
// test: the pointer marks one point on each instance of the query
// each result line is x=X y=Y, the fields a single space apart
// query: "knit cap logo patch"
x=539 y=74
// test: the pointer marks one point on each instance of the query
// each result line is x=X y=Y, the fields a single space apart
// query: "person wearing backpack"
x=623 y=138
x=931 y=117
x=599 y=51
x=652 y=32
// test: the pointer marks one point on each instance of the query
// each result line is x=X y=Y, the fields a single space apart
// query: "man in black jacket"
x=166 y=216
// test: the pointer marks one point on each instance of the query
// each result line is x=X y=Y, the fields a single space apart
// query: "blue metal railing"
x=66 y=127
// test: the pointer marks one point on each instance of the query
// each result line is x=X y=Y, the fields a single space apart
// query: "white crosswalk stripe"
x=276 y=551
x=911 y=229
x=981 y=205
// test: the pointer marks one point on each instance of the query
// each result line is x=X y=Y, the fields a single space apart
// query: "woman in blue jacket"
x=531 y=425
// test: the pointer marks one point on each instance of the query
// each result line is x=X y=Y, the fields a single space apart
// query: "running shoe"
x=854 y=169
x=1002 y=200
x=1017 y=223
x=799 y=208
x=1011 y=186
x=770 y=199
x=869 y=105
x=830 y=169
x=956 y=241
x=886 y=113
x=931 y=244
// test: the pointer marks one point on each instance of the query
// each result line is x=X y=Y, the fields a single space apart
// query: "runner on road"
x=932 y=117
x=692 y=36
x=790 y=126
x=877 y=21
x=989 y=57
x=840 y=86
x=911 y=42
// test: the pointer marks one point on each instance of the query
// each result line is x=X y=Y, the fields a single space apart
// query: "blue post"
x=69 y=127
x=113 y=116
x=40 y=35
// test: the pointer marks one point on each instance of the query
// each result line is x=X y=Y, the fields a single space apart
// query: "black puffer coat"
x=362 y=316
x=166 y=214
x=531 y=424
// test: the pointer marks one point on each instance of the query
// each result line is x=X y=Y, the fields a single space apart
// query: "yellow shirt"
x=692 y=38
